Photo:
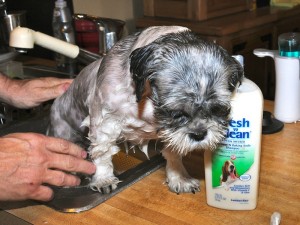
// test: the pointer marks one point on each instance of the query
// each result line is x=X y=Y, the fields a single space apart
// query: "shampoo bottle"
x=232 y=170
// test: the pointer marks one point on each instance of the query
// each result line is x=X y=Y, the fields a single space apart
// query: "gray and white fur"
x=162 y=83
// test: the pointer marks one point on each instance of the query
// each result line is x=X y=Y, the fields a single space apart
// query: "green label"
x=234 y=156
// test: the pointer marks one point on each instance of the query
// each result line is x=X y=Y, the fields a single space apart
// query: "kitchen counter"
x=150 y=202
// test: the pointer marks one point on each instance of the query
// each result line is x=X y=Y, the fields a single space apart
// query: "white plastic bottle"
x=62 y=25
x=232 y=170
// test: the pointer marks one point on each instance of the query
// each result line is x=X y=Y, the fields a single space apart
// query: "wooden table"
x=150 y=202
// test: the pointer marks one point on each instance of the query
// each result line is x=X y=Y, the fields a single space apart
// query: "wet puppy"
x=162 y=83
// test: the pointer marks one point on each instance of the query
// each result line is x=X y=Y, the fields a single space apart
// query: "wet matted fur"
x=162 y=83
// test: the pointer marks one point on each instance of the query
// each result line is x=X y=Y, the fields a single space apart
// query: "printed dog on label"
x=229 y=173
x=162 y=83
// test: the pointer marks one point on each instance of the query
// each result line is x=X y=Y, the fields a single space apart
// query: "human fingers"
x=59 y=145
x=52 y=144
x=51 y=92
x=56 y=84
x=42 y=193
x=46 y=82
x=71 y=164
x=71 y=157
x=60 y=179
x=62 y=154
x=55 y=81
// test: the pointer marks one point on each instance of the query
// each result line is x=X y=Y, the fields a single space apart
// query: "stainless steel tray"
x=82 y=198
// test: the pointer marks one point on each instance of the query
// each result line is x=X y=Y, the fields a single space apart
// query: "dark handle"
x=239 y=47
x=267 y=37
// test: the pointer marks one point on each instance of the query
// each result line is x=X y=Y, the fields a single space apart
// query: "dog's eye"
x=180 y=117
x=220 y=110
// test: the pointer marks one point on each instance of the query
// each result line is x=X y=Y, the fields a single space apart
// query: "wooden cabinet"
x=241 y=33
x=194 y=9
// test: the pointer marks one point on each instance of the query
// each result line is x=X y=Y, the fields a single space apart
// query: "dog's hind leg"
x=178 y=178
x=61 y=128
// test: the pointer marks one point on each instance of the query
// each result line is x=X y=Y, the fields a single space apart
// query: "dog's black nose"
x=199 y=136
x=231 y=167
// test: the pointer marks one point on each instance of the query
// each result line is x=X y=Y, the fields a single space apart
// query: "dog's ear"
x=142 y=66
x=237 y=74
x=235 y=173
x=224 y=173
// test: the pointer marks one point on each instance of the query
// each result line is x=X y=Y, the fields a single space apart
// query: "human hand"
x=29 y=93
x=29 y=160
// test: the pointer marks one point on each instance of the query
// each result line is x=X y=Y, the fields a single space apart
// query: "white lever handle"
x=22 y=37
x=261 y=52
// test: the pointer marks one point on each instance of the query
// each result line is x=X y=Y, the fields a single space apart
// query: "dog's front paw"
x=183 y=184
x=104 y=185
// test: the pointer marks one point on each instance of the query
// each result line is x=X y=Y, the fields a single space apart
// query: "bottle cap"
x=60 y=3
x=289 y=44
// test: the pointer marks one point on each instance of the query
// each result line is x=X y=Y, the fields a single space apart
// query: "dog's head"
x=191 y=84
x=228 y=169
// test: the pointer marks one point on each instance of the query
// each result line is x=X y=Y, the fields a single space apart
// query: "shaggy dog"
x=162 y=83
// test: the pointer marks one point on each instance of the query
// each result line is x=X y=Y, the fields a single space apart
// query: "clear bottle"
x=63 y=29
x=232 y=170
x=289 y=44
